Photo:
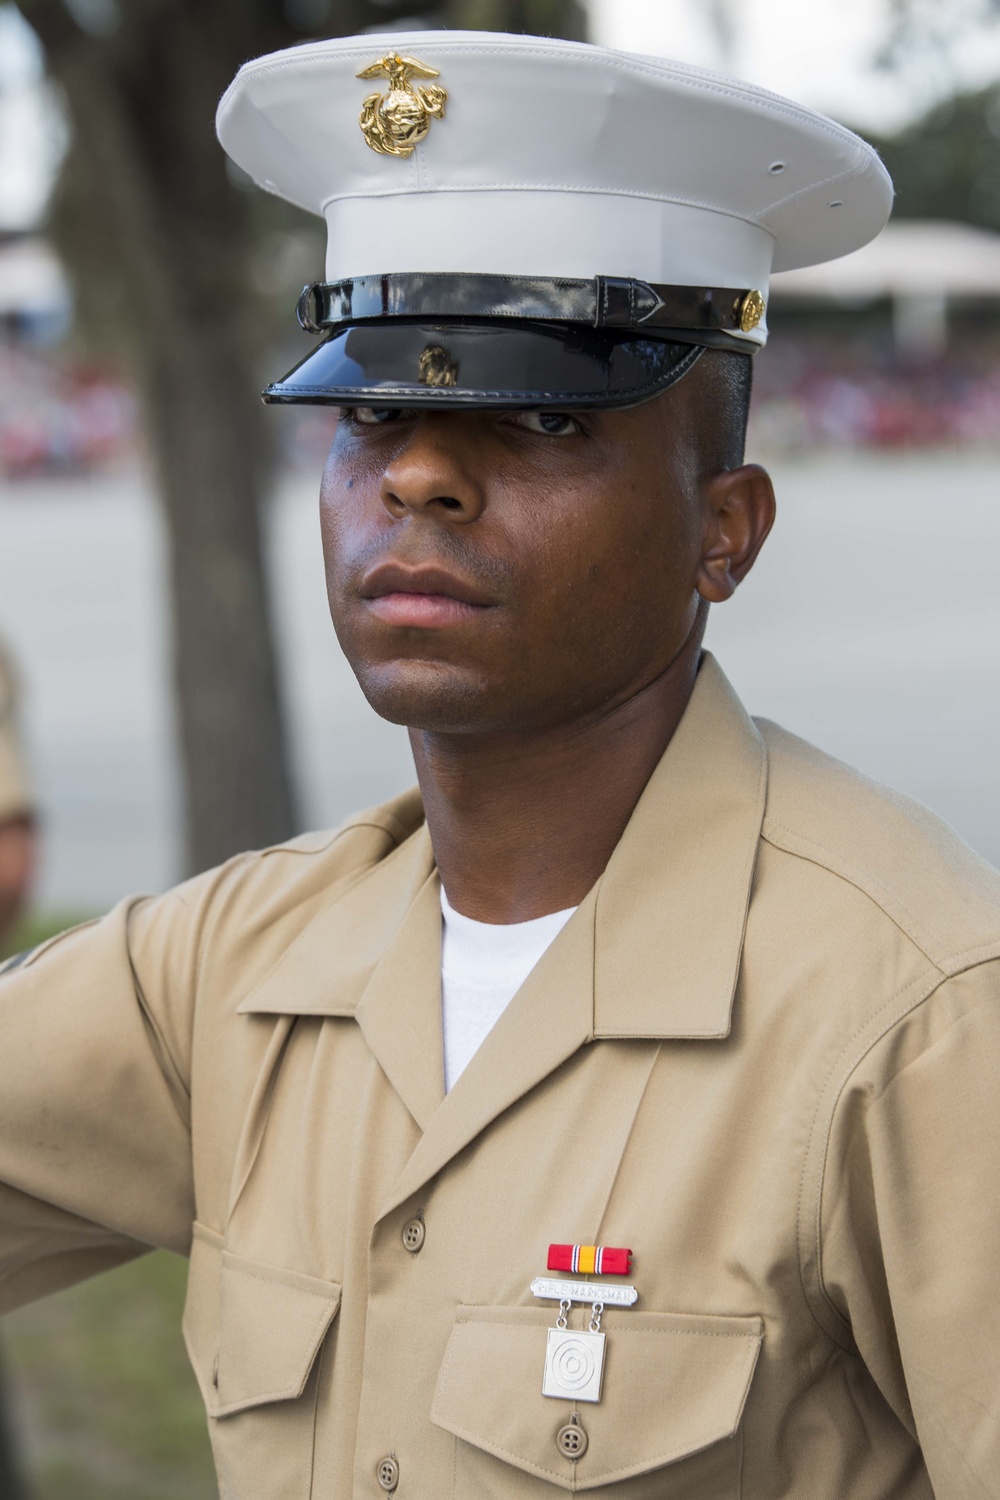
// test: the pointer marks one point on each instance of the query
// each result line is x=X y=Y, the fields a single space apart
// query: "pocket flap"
x=271 y=1324
x=673 y=1384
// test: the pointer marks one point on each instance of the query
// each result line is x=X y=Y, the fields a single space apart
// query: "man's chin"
x=430 y=695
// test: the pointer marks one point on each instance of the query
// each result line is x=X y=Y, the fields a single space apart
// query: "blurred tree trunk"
x=159 y=240
x=722 y=19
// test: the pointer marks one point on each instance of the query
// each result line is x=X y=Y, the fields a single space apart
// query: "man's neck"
x=523 y=825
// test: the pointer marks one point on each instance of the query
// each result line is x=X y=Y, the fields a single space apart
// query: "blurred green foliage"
x=33 y=930
x=947 y=164
x=105 y=1402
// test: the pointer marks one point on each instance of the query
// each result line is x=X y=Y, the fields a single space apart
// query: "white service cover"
x=556 y=159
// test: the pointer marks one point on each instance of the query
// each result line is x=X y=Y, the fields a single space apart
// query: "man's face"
x=511 y=571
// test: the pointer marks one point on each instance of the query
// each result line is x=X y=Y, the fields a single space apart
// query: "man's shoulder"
x=257 y=903
x=362 y=839
x=254 y=905
x=317 y=864
x=905 y=859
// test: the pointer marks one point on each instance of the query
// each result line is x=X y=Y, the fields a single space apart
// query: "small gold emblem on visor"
x=436 y=367
x=395 y=122
x=752 y=310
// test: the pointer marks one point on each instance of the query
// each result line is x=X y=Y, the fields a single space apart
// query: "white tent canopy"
x=911 y=258
x=31 y=278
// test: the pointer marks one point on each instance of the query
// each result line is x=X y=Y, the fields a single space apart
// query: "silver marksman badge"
x=574 y=1365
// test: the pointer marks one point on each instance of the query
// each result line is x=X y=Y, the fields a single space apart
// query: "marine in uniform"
x=616 y=1113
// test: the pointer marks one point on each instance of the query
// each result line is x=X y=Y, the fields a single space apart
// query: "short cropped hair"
x=725 y=383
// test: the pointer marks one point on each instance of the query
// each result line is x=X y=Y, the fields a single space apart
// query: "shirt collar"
x=667 y=917
x=672 y=904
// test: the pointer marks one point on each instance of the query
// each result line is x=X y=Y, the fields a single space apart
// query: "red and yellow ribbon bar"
x=589 y=1260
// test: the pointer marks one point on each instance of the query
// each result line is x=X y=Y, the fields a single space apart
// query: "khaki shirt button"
x=572 y=1441
x=414 y=1235
x=387 y=1472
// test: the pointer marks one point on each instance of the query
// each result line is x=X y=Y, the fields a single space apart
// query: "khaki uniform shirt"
x=15 y=791
x=764 y=1054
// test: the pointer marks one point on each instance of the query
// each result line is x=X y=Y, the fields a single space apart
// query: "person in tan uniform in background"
x=17 y=816
x=17 y=863
x=616 y=1113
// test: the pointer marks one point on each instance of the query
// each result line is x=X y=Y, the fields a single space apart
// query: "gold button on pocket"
x=387 y=1473
x=414 y=1235
x=572 y=1441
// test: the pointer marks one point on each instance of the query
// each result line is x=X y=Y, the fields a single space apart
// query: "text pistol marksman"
x=616 y=1113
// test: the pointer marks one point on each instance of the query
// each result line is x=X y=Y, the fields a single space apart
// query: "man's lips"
x=421 y=596
x=422 y=609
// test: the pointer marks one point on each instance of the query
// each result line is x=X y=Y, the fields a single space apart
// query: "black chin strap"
x=611 y=302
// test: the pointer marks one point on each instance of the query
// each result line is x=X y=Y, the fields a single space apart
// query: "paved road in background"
x=871 y=626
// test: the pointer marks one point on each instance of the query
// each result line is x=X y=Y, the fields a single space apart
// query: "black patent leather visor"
x=523 y=364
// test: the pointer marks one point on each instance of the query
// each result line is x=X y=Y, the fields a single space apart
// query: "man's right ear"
x=739 y=509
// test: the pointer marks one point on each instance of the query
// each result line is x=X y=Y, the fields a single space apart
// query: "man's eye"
x=551 y=423
x=373 y=416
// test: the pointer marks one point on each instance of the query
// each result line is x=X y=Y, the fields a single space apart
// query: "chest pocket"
x=667 y=1425
x=254 y=1334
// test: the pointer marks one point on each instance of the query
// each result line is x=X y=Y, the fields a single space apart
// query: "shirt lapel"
x=400 y=1009
x=547 y=1022
x=673 y=902
x=374 y=953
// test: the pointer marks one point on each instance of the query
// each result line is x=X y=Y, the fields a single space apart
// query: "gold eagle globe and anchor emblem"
x=395 y=122
x=437 y=367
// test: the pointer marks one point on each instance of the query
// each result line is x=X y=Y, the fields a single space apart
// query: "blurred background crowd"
x=170 y=689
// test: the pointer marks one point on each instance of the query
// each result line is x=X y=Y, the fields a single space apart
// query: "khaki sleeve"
x=910 y=1227
x=95 y=1143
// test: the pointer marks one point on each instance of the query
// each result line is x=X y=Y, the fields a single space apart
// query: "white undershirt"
x=483 y=965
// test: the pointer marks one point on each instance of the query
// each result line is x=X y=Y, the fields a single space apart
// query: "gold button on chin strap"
x=752 y=310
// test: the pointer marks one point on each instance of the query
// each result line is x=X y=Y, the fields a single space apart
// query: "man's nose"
x=431 y=476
